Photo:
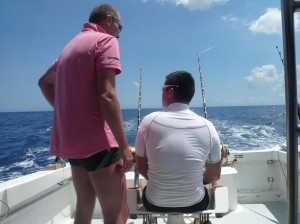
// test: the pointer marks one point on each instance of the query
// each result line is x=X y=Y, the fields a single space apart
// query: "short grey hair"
x=100 y=12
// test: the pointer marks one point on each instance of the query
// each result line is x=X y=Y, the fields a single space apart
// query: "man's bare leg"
x=110 y=187
x=86 y=196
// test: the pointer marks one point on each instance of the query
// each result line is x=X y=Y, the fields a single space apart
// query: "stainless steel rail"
x=288 y=9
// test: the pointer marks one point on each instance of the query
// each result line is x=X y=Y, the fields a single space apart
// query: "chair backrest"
x=219 y=202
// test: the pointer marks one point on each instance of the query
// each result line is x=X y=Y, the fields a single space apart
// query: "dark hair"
x=100 y=12
x=185 y=85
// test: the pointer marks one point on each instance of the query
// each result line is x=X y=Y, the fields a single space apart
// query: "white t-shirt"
x=177 y=143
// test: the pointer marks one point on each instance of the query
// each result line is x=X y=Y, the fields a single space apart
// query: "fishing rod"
x=202 y=87
x=283 y=65
x=136 y=174
x=139 y=98
x=224 y=147
x=214 y=183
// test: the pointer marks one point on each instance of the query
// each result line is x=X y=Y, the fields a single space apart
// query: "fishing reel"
x=224 y=154
x=132 y=150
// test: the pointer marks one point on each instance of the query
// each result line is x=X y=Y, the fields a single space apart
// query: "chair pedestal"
x=175 y=219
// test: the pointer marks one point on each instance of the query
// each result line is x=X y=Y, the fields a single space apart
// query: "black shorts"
x=99 y=160
x=200 y=206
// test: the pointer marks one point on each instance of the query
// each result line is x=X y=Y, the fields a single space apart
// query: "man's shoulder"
x=96 y=33
x=152 y=115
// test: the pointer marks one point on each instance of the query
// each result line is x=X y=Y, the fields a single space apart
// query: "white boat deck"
x=262 y=213
x=265 y=212
x=257 y=194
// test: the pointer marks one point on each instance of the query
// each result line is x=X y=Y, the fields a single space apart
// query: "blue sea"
x=25 y=136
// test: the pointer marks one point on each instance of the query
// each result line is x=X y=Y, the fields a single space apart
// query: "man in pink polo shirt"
x=87 y=125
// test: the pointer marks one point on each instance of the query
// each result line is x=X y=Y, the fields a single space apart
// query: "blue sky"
x=236 y=41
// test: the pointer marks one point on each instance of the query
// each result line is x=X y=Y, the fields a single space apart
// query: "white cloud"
x=264 y=76
x=135 y=84
x=230 y=18
x=196 y=4
x=234 y=20
x=268 y=23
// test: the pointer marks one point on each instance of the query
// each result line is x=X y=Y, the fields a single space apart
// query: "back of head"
x=100 y=12
x=185 y=83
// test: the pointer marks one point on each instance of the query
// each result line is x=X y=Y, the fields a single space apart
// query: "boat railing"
x=288 y=10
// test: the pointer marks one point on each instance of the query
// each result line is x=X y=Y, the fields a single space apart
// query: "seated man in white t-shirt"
x=177 y=151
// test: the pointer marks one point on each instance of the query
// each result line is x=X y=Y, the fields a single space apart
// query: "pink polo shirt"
x=79 y=129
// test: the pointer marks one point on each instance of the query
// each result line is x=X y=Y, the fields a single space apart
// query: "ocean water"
x=25 y=136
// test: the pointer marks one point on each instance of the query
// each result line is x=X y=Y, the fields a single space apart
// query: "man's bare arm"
x=47 y=85
x=212 y=172
x=142 y=166
x=110 y=108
